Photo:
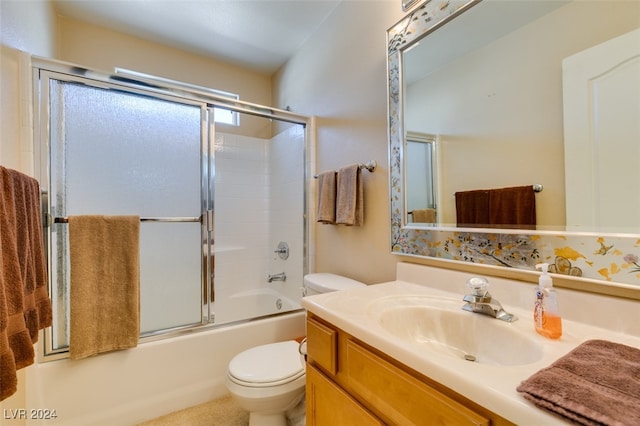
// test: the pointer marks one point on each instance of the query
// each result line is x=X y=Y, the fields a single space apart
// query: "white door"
x=601 y=88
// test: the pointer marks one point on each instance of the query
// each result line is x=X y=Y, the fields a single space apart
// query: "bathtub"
x=253 y=303
x=130 y=386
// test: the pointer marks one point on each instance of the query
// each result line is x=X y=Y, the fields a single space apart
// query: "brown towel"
x=472 y=208
x=513 y=207
x=327 y=197
x=596 y=383
x=350 y=196
x=105 y=278
x=25 y=306
x=424 y=215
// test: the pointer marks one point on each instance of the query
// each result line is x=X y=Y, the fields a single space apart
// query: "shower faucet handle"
x=282 y=250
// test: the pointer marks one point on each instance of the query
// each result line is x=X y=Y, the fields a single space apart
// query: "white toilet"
x=268 y=380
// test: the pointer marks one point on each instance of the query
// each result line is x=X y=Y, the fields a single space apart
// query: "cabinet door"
x=399 y=397
x=322 y=346
x=327 y=404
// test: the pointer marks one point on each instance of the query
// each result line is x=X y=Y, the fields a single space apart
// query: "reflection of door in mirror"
x=601 y=140
x=421 y=168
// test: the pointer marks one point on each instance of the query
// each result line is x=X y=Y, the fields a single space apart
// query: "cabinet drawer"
x=322 y=345
x=398 y=397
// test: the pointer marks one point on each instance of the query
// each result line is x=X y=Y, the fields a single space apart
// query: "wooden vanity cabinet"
x=351 y=383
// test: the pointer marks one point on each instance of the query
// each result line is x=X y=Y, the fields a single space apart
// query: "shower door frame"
x=44 y=69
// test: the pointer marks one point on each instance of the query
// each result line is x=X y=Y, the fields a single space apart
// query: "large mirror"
x=523 y=98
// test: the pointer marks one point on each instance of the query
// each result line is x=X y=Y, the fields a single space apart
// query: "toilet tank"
x=324 y=283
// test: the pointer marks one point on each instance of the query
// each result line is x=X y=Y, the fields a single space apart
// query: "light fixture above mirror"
x=463 y=114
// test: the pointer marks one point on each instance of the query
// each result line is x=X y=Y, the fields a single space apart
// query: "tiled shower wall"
x=258 y=203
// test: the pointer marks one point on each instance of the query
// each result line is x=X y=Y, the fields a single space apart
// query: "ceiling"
x=257 y=34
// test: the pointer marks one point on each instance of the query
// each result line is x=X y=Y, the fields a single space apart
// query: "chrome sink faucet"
x=481 y=302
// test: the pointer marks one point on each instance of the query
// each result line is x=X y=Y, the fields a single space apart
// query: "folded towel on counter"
x=424 y=215
x=350 y=196
x=25 y=307
x=596 y=383
x=105 y=284
x=327 y=197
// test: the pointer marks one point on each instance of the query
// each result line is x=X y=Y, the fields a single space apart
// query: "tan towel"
x=424 y=215
x=350 y=196
x=327 y=197
x=596 y=383
x=25 y=306
x=105 y=278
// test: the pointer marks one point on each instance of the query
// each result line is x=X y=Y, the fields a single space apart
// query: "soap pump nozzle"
x=545 y=279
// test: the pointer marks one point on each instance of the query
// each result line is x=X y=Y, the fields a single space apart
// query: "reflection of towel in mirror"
x=424 y=215
x=25 y=306
x=350 y=199
x=513 y=207
x=472 y=208
x=596 y=383
x=105 y=291
x=326 y=197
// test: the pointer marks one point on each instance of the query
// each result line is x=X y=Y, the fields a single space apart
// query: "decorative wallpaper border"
x=600 y=257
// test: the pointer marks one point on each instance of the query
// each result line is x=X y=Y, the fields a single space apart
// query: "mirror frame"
x=588 y=261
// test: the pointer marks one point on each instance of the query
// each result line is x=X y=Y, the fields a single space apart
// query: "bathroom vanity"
x=405 y=352
x=350 y=382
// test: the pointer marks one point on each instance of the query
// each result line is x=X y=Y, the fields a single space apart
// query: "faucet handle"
x=479 y=286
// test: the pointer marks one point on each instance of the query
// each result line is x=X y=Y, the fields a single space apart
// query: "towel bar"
x=537 y=187
x=145 y=219
x=370 y=166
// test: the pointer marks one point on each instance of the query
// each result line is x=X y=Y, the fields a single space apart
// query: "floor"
x=219 y=412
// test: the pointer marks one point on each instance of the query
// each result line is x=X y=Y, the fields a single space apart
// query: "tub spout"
x=277 y=277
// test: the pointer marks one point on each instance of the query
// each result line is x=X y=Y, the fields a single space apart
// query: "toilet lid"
x=275 y=362
x=326 y=282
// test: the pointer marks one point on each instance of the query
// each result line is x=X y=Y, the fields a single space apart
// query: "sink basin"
x=439 y=324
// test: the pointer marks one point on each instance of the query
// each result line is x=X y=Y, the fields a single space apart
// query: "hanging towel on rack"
x=472 y=208
x=513 y=207
x=350 y=196
x=105 y=284
x=25 y=306
x=327 y=197
x=424 y=215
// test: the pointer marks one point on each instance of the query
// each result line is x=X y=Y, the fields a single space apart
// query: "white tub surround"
x=156 y=378
x=585 y=316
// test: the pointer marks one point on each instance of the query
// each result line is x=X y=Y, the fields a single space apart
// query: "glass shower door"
x=116 y=152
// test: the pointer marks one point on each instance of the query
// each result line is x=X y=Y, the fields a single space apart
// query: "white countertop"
x=491 y=386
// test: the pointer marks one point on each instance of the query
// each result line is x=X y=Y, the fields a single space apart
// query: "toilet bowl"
x=268 y=380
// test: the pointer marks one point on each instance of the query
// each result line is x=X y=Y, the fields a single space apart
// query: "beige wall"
x=24 y=27
x=103 y=49
x=340 y=76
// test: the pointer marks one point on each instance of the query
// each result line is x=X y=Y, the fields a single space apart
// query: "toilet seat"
x=267 y=365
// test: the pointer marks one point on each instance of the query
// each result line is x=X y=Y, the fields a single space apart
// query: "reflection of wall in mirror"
x=499 y=109
x=602 y=133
